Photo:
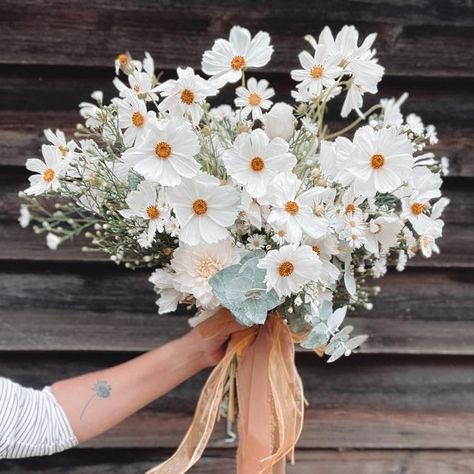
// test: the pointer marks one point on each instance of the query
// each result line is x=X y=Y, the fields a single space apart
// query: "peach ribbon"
x=270 y=398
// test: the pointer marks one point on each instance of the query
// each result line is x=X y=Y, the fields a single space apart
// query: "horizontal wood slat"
x=133 y=461
x=360 y=402
x=418 y=312
x=433 y=41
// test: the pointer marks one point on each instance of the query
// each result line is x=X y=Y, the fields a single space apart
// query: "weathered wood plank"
x=417 y=292
x=22 y=245
x=434 y=41
x=360 y=402
x=133 y=461
x=51 y=97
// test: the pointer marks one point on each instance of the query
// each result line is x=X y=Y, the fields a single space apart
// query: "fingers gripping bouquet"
x=262 y=212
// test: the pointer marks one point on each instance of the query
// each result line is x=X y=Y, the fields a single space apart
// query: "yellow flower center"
x=49 y=175
x=292 y=207
x=377 y=161
x=207 y=267
x=163 y=150
x=316 y=249
x=281 y=233
x=187 y=96
x=257 y=164
x=316 y=71
x=237 y=63
x=153 y=212
x=137 y=119
x=199 y=207
x=286 y=269
x=254 y=99
x=63 y=150
x=417 y=208
x=350 y=208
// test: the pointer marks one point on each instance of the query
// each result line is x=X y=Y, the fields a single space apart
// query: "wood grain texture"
x=404 y=404
x=132 y=461
x=363 y=402
x=63 y=32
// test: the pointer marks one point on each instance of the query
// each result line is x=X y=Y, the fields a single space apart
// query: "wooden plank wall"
x=405 y=403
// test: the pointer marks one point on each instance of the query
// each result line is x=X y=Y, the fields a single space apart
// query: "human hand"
x=209 y=351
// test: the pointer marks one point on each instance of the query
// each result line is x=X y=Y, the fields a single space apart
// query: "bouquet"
x=266 y=213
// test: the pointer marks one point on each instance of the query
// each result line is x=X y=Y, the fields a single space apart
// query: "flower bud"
x=279 y=121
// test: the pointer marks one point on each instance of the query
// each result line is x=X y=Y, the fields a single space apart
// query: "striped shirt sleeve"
x=32 y=422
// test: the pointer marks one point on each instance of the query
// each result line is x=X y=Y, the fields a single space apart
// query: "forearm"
x=97 y=401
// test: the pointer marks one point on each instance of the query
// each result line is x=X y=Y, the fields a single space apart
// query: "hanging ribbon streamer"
x=270 y=399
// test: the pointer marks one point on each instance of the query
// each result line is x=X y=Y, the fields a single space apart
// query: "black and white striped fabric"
x=32 y=423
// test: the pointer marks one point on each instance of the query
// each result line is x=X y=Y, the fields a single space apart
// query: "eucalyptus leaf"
x=241 y=289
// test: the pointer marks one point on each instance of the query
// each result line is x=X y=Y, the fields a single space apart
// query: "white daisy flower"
x=253 y=211
x=280 y=236
x=134 y=117
x=415 y=124
x=58 y=139
x=382 y=232
x=169 y=297
x=140 y=84
x=204 y=208
x=148 y=204
x=254 y=98
x=254 y=160
x=392 y=115
x=381 y=160
x=289 y=268
x=318 y=71
x=49 y=171
x=428 y=245
x=326 y=247
x=172 y=227
x=167 y=152
x=255 y=242
x=228 y=58
x=294 y=212
x=195 y=265
x=185 y=95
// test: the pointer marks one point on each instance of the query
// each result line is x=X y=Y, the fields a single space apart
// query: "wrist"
x=192 y=349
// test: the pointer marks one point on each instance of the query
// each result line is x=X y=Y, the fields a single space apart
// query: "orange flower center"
x=123 y=59
x=254 y=99
x=63 y=150
x=153 y=212
x=137 y=119
x=49 y=175
x=199 y=207
x=163 y=150
x=292 y=207
x=286 y=269
x=237 y=63
x=187 y=96
x=377 y=161
x=417 y=208
x=257 y=164
x=316 y=249
x=350 y=208
x=316 y=71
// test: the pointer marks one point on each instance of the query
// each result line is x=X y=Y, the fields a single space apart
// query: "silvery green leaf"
x=316 y=338
x=350 y=282
x=356 y=341
x=336 y=318
x=337 y=354
x=343 y=334
x=134 y=180
x=241 y=289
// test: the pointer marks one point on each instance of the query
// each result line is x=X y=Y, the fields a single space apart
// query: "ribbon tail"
x=271 y=401
x=195 y=441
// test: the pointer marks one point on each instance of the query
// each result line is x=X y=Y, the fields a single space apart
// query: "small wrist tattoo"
x=102 y=389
